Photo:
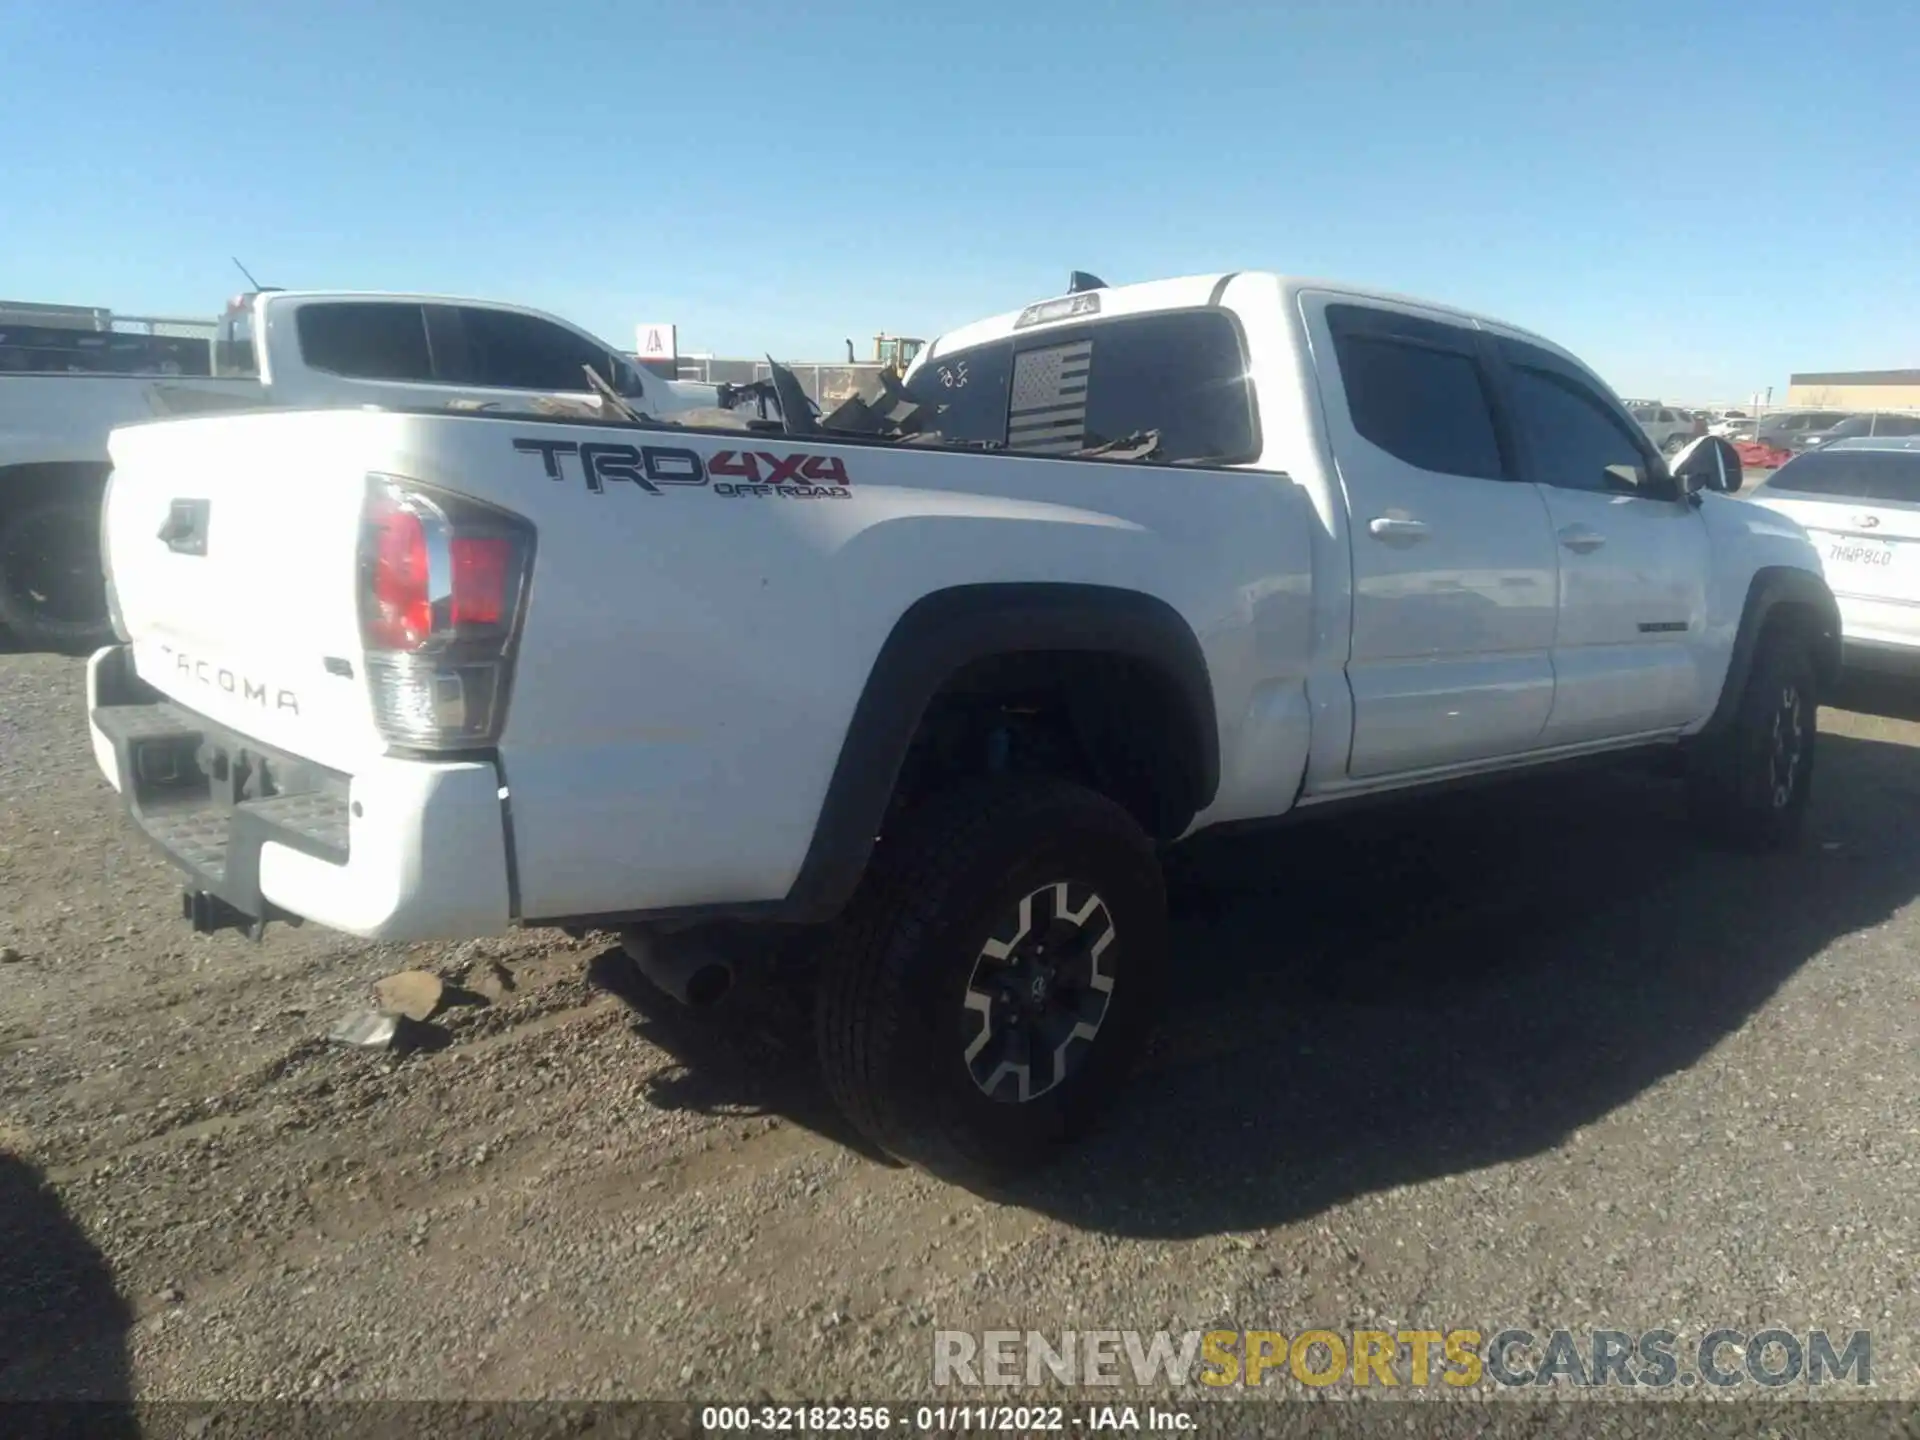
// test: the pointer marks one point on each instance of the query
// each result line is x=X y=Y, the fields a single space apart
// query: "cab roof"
x=1193 y=291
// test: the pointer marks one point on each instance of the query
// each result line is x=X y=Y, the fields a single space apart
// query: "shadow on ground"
x=63 y=1325
x=1374 y=1001
x=1871 y=692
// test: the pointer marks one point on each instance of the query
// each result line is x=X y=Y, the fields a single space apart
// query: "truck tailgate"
x=231 y=549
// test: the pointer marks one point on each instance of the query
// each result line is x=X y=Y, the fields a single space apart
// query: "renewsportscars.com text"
x=1457 y=1358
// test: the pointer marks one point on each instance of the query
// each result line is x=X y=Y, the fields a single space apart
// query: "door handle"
x=1387 y=527
x=1581 y=540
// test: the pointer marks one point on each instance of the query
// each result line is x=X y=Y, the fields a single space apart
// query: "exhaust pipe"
x=687 y=964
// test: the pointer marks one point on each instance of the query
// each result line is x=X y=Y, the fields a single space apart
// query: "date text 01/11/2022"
x=942 y=1419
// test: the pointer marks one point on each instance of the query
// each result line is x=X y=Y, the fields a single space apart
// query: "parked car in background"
x=1731 y=425
x=1668 y=427
x=1859 y=499
x=1785 y=428
x=1861 y=427
x=280 y=349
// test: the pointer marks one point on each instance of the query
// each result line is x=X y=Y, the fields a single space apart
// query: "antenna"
x=244 y=271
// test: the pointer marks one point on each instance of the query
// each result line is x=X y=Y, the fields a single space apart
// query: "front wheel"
x=1751 y=783
x=52 y=586
x=984 y=996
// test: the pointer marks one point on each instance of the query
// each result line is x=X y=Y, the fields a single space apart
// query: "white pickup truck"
x=1122 y=566
x=273 y=348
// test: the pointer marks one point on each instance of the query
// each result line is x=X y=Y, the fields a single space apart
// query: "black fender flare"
x=933 y=640
x=1772 y=587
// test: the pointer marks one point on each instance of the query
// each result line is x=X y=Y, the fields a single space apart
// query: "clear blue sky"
x=1697 y=198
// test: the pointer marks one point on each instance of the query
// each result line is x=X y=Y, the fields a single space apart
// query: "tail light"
x=443 y=584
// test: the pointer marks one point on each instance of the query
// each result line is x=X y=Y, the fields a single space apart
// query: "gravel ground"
x=1526 y=1057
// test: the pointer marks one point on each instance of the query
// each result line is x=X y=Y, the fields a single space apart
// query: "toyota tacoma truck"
x=927 y=687
x=278 y=348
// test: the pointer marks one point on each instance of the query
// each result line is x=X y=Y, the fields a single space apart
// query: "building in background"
x=1856 y=389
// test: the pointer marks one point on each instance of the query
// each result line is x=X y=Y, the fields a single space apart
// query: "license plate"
x=1860 y=554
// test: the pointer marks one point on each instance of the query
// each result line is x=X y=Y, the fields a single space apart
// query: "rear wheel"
x=1751 y=783
x=985 y=994
x=52 y=587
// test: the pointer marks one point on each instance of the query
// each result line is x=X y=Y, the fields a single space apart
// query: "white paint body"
x=1869 y=549
x=690 y=663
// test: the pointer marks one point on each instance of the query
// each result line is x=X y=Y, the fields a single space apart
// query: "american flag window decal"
x=1047 y=413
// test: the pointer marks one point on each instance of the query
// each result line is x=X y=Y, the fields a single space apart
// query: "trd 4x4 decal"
x=798 y=476
x=648 y=466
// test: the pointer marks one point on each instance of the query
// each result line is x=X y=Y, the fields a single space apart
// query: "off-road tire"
x=75 y=622
x=897 y=972
x=1746 y=790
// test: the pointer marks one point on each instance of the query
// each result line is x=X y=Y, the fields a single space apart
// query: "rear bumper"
x=399 y=850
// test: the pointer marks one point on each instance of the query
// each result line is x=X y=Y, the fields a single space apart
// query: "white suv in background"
x=1859 y=500
x=1665 y=426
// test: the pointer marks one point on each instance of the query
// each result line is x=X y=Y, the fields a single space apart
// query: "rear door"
x=1862 y=508
x=1453 y=562
x=1633 y=563
x=494 y=354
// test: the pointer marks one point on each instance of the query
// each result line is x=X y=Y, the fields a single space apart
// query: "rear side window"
x=1897 y=425
x=1181 y=373
x=1891 y=476
x=507 y=351
x=366 y=340
x=1420 y=403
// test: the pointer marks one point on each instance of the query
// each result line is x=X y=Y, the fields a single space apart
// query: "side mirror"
x=1709 y=463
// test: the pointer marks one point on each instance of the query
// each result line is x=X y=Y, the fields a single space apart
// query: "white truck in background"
x=926 y=687
x=283 y=349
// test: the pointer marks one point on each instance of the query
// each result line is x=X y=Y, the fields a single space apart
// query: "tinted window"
x=1571 y=433
x=1419 y=403
x=1182 y=373
x=365 y=340
x=1897 y=425
x=523 y=352
x=1886 y=475
x=1666 y=417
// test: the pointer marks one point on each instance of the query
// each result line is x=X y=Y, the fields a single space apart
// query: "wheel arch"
x=1778 y=594
x=936 y=640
